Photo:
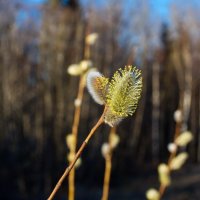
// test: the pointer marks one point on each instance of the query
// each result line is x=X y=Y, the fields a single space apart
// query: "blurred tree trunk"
x=198 y=148
x=61 y=30
x=155 y=110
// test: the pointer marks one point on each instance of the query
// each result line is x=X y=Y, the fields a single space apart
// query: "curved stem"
x=78 y=154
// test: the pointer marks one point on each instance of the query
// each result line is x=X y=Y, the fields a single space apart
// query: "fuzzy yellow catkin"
x=164 y=174
x=152 y=194
x=120 y=95
x=178 y=161
x=124 y=92
x=112 y=119
x=184 y=138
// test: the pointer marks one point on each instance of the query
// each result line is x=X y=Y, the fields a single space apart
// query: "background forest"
x=40 y=39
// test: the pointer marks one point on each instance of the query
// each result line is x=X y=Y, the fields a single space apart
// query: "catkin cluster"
x=120 y=95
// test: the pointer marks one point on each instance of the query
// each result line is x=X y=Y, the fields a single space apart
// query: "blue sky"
x=159 y=7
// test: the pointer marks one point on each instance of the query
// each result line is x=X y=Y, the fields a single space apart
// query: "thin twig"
x=69 y=168
x=71 y=179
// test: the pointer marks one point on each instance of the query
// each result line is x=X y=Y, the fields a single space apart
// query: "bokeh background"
x=39 y=39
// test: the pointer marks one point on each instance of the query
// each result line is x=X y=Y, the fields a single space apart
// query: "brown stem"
x=69 y=168
x=162 y=187
x=108 y=167
x=106 y=184
x=71 y=178
x=162 y=190
x=75 y=126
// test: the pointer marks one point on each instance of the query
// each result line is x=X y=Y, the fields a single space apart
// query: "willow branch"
x=78 y=154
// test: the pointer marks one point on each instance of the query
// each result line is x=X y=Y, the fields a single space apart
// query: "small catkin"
x=178 y=161
x=178 y=116
x=164 y=174
x=97 y=86
x=184 y=138
x=70 y=140
x=78 y=163
x=172 y=147
x=152 y=194
x=85 y=65
x=114 y=140
x=105 y=149
x=91 y=38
